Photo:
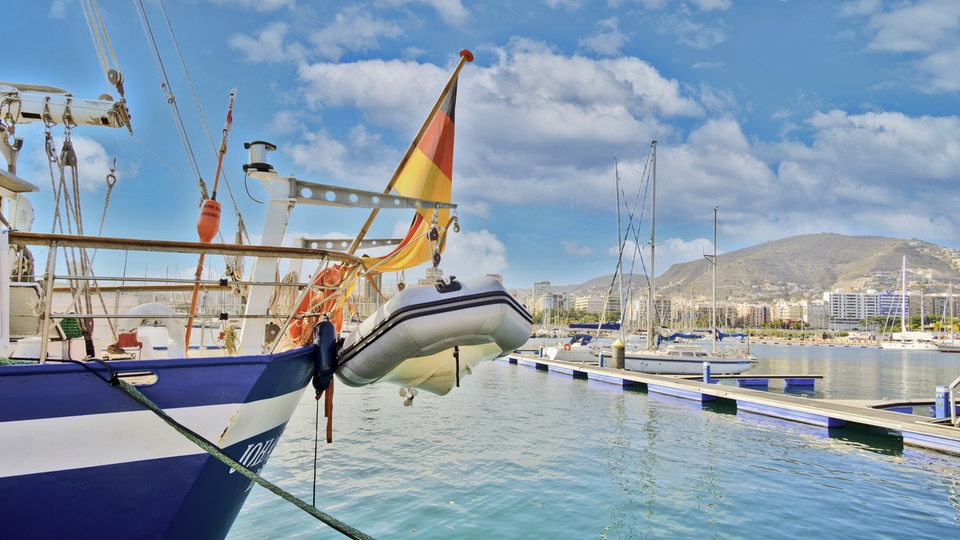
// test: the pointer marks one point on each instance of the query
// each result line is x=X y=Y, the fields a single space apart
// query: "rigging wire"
x=113 y=379
x=104 y=47
x=203 y=121
x=633 y=227
x=172 y=101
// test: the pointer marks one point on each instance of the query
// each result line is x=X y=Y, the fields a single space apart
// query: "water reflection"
x=517 y=453
x=861 y=373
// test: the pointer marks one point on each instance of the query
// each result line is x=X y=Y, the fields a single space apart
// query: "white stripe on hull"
x=73 y=442
x=668 y=367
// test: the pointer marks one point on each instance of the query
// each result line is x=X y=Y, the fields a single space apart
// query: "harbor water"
x=521 y=453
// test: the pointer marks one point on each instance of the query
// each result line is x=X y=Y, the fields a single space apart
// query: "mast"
x=651 y=345
x=903 y=302
x=953 y=336
x=713 y=315
x=922 y=323
x=616 y=171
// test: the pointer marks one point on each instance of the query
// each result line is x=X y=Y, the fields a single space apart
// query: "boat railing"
x=50 y=283
x=131 y=282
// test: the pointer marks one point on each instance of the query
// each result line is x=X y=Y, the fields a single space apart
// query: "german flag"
x=426 y=173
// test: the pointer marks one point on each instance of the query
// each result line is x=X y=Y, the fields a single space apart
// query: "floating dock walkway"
x=915 y=430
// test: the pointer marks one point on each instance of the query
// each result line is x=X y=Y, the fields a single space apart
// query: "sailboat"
x=948 y=343
x=130 y=427
x=904 y=340
x=590 y=348
x=676 y=358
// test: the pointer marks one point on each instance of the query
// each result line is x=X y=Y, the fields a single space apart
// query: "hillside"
x=807 y=266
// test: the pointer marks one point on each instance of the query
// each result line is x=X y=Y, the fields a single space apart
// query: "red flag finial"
x=466 y=55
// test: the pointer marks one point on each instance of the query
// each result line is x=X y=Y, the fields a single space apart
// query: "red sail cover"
x=426 y=175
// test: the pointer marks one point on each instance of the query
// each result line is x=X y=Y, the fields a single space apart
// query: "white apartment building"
x=847 y=310
x=596 y=303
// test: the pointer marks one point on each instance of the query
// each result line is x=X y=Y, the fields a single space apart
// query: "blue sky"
x=793 y=117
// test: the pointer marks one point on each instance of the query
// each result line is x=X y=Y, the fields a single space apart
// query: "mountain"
x=805 y=267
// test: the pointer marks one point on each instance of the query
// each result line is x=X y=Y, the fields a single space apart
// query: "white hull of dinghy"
x=412 y=339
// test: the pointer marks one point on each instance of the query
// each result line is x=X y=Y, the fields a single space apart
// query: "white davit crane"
x=26 y=103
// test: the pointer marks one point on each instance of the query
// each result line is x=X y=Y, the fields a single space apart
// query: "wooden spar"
x=216 y=207
x=22 y=238
x=465 y=56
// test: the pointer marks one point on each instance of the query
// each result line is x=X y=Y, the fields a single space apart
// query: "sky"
x=789 y=116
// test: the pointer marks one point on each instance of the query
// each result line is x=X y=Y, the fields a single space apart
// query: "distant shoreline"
x=861 y=344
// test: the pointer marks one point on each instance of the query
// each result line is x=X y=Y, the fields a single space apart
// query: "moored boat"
x=686 y=359
x=114 y=429
x=681 y=358
x=904 y=340
x=70 y=434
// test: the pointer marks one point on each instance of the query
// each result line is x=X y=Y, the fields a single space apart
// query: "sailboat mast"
x=713 y=346
x=922 y=324
x=651 y=344
x=903 y=301
x=616 y=170
x=953 y=336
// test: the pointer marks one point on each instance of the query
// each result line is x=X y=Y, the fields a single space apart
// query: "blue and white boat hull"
x=84 y=460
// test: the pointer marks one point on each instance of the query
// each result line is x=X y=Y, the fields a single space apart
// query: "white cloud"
x=926 y=29
x=538 y=126
x=676 y=250
x=577 y=250
x=93 y=163
x=258 y=5
x=890 y=147
x=606 y=39
x=568 y=5
x=286 y=122
x=528 y=107
x=450 y=11
x=391 y=93
x=689 y=32
x=941 y=71
x=875 y=173
x=474 y=253
x=269 y=45
x=318 y=152
x=914 y=27
x=354 y=29
x=59 y=8
x=713 y=5
x=671 y=251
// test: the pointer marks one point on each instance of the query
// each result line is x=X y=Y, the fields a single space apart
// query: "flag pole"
x=465 y=56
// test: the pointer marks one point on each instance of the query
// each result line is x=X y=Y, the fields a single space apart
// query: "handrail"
x=212 y=282
x=953 y=402
x=58 y=241
x=158 y=317
x=168 y=246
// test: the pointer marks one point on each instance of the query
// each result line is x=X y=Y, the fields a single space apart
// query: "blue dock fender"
x=325 y=361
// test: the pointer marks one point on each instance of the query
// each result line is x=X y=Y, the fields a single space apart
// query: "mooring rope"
x=316 y=447
x=215 y=451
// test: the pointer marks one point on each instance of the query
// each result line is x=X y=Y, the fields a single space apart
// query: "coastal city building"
x=834 y=311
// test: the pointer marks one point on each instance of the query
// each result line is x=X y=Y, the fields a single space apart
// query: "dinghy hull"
x=427 y=336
